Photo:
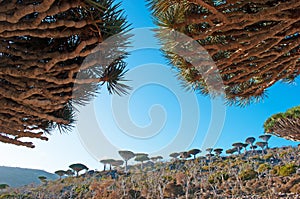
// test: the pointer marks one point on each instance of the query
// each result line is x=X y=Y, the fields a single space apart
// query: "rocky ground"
x=270 y=174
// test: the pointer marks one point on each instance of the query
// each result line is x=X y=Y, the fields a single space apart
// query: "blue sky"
x=157 y=109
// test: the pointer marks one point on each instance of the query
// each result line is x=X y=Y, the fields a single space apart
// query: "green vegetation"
x=243 y=60
x=194 y=152
x=267 y=156
x=285 y=124
x=141 y=158
x=42 y=178
x=285 y=170
x=126 y=155
x=248 y=174
x=3 y=186
x=218 y=177
x=263 y=167
x=78 y=167
x=60 y=173
x=240 y=175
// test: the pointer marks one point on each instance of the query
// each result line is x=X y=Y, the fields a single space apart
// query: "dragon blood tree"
x=285 y=125
x=43 y=45
x=253 y=44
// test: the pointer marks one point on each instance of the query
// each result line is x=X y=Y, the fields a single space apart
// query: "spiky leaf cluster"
x=286 y=125
x=50 y=59
x=254 y=44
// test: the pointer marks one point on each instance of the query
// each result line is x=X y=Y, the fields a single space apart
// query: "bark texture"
x=254 y=43
x=43 y=72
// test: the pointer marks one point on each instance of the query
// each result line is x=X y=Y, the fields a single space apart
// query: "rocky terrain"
x=272 y=173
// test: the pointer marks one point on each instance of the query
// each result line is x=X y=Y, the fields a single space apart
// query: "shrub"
x=284 y=153
x=268 y=156
x=248 y=174
x=287 y=170
x=205 y=168
x=13 y=196
x=81 y=189
x=3 y=186
x=218 y=177
x=263 y=167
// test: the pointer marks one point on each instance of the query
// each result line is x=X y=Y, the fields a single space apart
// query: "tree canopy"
x=3 y=186
x=262 y=145
x=174 y=155
x=218 y=151
x=286 y=125
x=43 y=69
x=194 y=152
x=78 y=167
x=253 y=44
x=141 y=158
x=126 y=155
x=60 y=173
x=250 y=140
x=238 y=146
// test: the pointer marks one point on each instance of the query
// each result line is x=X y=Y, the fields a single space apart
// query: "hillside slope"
x=272 y=173
x=16 y=177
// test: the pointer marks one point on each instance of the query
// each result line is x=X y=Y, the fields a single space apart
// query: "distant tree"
x=238 y=146
x=110 y=162
x=78 y=167
x=253 y=147
x=3 y=186
x=262 y=145
x=266 y=139
x=70 y=172
x=231 y=151
x=174 y=155
x=185 y=155
x=156 y=158
x=104 y=162
x=159 y=157
x=107 y=161
x=250 y=140
x=194 y=152
x=42 y=178
x=209 y=150
x=60 y=173
x=141 y=158
x=209 y=156
x=117 y=163
x=245 y=146
x=218 y=151
x=285 y=125
x=126 y=155
x=141 y=154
